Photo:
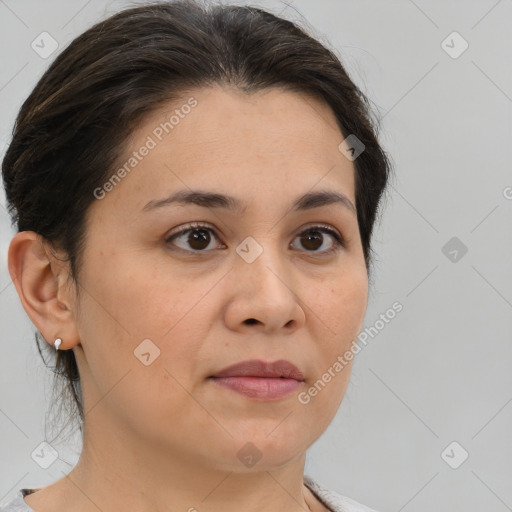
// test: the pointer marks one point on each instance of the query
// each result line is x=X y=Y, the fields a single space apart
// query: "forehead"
x=273 y=143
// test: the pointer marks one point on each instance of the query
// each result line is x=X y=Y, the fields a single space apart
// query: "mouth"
x=261 y=380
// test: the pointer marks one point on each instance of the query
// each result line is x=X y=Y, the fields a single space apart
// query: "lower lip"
x=260 y=388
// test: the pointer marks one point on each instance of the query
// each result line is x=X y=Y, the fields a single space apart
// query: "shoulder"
x=333 y=500
x=17 y=503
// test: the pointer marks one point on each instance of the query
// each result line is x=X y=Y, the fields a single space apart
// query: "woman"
x=194 y=190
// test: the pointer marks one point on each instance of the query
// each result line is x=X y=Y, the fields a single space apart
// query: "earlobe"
x=37 y=275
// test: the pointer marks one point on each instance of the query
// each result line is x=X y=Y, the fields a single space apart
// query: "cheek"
x=341 y=307
x=125 y=304
x=141 y=299
x=338 y=317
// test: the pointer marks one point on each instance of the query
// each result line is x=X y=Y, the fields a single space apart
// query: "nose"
x=264 y=294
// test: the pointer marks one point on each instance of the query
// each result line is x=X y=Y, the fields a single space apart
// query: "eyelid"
x=190 y=226
x=312 y=225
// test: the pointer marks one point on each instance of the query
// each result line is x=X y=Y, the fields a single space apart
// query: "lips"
x=256 y=368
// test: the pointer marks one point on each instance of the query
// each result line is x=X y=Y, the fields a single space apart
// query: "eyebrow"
x=214 y=200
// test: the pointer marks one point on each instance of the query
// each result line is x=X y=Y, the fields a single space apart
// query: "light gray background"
x=440 y=370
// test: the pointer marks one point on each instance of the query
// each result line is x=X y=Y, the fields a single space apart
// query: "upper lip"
x=257 y=368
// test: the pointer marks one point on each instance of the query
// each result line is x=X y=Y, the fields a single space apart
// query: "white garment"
x=331 y=499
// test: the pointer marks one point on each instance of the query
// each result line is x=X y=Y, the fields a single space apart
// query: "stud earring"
x=57 y=343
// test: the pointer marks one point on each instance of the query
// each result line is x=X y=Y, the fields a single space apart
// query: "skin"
x=164 y=436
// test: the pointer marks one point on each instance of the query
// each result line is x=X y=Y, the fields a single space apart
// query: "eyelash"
x=339 y=241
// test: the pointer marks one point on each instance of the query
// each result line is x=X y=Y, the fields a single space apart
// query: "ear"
x=41 y=282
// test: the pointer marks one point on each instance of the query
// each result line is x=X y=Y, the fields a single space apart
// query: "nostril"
x=251 y=321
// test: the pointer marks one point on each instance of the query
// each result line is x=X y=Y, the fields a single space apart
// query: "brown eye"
x=195 y=238
x=198 y=237
x=313 y=238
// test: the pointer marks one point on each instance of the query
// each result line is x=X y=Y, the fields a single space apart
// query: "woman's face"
x=160 y=312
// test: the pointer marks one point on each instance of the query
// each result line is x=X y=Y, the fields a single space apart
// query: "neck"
x=108 y=476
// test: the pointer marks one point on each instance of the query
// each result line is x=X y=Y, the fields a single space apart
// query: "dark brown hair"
x=71 y=131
